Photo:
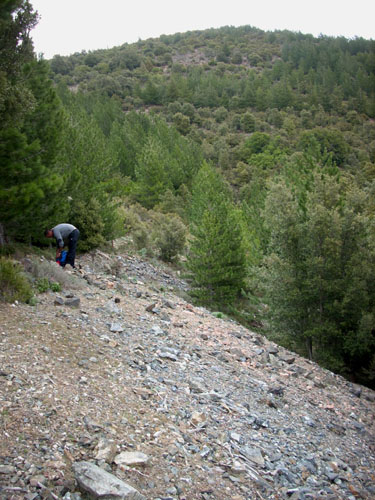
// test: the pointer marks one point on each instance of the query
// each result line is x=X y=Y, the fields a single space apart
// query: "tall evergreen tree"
x=30 y=127
x=151 y=173
x=16 y=20
x=217 y=257
x=318 y=275
x=88 y=167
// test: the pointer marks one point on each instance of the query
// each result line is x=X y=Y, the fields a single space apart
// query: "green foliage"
x=155 y=233
x=136 y=124
x=182 y=123
x=291 y=70
x=170 y=235
x=29 y=180
x=127 y=139
x=16 y=20
x=216 y=258
x=151 y=174
x=92 y=182
x=55 y=287
x=45 y=122
x=25 y=179
x=165 y=161
x=13 y=283
x=248 y=122
x=177 y=202
x=61 y=65
x=326 y=142
x=132 y=215
x=44 y=284
x=318 y=275
x=47 y=274
x=221 y=114
x=142 y=239
x=86 y=216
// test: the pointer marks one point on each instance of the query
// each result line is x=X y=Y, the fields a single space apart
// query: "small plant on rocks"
x=42 y=285
x=55 y=287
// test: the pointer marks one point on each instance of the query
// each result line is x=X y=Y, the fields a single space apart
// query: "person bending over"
x=65 y=234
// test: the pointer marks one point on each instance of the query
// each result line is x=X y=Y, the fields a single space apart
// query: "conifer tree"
x=318 y=275
x=151 y=173
x=29 y=130
x=217 y=258
x=17 y=155
x=88 y=167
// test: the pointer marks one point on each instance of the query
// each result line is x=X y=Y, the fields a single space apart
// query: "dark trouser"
x=72 y=247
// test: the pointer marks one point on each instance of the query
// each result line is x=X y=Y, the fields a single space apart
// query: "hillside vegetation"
x=245 y=157
x=117 y=370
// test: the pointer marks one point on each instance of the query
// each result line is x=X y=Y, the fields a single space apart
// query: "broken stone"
x=169 y=304
x=7 y=469
x=196 y=387
x=198 y=418
x=72 y=302
x=101 y=484
x=151 y=308
x=253 y=454
x=238 y=354
x=131 y=458
x=106 y=450
x=116 y=328
x=168 y=353
x=156 y=330
x=289 y=360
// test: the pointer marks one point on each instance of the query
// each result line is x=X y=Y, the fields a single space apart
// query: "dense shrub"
x=14 y=285
x=142 y=237
x=155 y=232
x=170 y=236
x=44 y=284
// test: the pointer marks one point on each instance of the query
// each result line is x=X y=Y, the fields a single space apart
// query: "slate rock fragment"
x=101 y=484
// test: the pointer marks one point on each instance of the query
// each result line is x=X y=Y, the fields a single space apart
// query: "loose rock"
x=100 y=484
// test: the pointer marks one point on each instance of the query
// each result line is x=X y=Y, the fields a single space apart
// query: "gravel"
x=125 y=367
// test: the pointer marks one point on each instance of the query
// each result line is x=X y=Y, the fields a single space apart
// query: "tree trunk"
x=309 y=348
x=2 y=235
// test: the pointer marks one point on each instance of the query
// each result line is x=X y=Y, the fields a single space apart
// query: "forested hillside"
x=245 y=157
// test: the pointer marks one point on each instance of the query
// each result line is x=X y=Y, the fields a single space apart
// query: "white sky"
x=68 y=26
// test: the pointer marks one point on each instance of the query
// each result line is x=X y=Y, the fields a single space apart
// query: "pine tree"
x=217 y=258
x=318 y=275
x=22 y=174
x=88 y=167
x=29 y=180
x=151 y=173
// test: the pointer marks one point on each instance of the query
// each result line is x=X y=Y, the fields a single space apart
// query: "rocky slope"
x=168 y=400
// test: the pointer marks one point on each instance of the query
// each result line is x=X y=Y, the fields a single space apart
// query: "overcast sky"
x=68 y=26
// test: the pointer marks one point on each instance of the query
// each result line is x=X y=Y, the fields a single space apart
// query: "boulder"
x=101 y=484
